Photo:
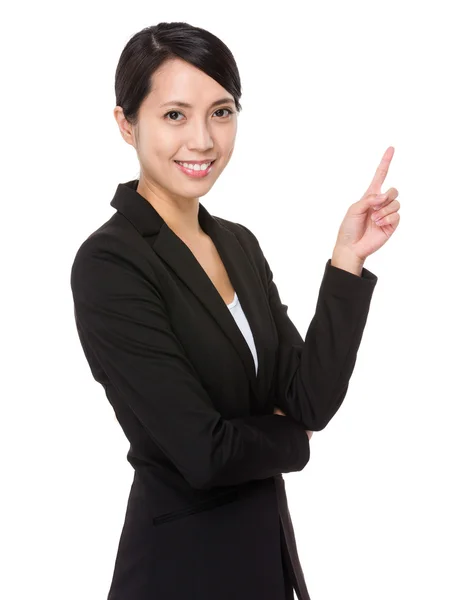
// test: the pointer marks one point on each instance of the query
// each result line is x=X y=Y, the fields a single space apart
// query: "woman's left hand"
x=278 y=411
x=358 y=233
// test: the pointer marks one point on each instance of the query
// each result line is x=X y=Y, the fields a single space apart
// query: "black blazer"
x=207 y=508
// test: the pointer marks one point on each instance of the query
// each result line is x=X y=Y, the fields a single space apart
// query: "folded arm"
x=122 y=320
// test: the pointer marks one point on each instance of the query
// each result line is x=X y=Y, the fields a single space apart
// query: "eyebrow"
x=187 y=105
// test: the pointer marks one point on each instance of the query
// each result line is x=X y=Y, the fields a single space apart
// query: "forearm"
x=312 y=375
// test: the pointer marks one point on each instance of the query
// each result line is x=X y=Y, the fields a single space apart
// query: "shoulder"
x=117 y=237
x=110 y=253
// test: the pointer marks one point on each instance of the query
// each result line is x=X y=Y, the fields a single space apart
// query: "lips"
x=193 y=173
x=180 y=162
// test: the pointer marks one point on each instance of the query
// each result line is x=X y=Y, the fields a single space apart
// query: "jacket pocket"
x=229 y=496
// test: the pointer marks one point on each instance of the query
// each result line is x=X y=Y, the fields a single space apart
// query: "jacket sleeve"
x=122 y=317
x=312 y=375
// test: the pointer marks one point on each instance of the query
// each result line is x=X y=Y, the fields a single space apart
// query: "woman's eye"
x=177 y=112
x=173 y=112
x=227 y=109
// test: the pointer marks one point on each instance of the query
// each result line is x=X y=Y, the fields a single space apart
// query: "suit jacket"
x=207 y=514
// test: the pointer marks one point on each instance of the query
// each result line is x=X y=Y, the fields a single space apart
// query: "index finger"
x=382 y=171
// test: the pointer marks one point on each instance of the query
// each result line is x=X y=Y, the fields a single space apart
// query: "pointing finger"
x=381 y=172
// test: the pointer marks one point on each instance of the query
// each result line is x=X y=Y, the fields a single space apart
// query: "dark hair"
x=149 y=48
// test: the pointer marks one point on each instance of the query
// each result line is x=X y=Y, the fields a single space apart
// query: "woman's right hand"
x=277 y=411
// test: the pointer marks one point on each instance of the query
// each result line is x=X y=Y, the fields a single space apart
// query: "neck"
x=180 y=215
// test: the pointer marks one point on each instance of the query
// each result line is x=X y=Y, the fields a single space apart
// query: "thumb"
x=376 y=200
x=362 y=206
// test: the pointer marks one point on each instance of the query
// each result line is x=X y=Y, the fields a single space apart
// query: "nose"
x=200 y=138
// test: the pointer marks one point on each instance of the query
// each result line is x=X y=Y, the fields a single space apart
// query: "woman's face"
x=167 y=132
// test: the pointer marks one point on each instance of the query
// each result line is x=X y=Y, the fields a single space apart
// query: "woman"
x=181 y=322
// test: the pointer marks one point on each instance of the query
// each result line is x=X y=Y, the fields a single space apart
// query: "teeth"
x=201 y=167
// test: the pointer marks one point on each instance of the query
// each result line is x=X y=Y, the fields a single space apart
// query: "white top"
x=243 y=324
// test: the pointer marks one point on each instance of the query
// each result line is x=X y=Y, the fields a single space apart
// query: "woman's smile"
x=197 y=172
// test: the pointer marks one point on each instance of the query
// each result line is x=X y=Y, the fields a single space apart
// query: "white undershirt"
x=243 y=324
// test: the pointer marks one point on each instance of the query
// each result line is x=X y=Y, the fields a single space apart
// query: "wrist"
x=342 y=258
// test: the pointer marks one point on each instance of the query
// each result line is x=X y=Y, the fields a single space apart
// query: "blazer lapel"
x=245 y=280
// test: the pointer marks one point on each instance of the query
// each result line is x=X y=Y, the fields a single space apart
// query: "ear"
x=126 y=129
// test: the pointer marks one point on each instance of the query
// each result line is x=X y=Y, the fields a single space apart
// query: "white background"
x=327 y=87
